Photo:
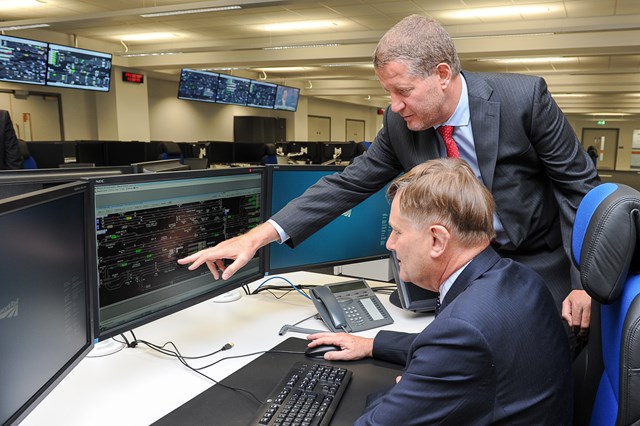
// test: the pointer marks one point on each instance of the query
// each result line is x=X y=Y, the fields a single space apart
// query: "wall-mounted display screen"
x=198 y=85
x=232 y=90
x=287 y=98
x=23 y=60
x=78 y=68
x=261 y=94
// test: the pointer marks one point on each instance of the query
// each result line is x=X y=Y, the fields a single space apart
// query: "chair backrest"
x=605 y=236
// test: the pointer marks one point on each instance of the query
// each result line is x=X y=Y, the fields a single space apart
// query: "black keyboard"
x=307 y=395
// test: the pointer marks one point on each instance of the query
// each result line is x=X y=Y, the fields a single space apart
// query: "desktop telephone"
x=349 y=306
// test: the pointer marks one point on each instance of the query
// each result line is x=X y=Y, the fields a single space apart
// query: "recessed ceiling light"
x=18 y=4
x=499 y=12
x=189 y=11
x=147 y=36
x=300 y=25
x=23 y=27
x=301 y=46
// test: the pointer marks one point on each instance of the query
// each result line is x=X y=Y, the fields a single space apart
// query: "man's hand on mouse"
x=351 y=347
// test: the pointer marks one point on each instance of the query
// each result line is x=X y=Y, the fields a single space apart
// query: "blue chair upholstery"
x=605 y=236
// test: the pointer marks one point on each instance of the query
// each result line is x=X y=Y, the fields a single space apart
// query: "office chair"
x=604 y=242
x=170 y=151
x=269 y=154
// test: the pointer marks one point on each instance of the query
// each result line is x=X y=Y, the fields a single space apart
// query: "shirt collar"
x=446 y=285
x=461 y=116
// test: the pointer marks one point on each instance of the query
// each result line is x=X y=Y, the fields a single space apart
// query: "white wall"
x=340 y=112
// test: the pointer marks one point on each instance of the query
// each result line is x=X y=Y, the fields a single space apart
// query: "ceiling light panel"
x=18 y=4
x=485 y=13
x=300 y=25
x=147 y=36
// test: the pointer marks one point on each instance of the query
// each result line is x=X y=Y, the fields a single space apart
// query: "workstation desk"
x=139 y=386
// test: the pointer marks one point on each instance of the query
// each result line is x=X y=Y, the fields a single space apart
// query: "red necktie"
x=447 y=136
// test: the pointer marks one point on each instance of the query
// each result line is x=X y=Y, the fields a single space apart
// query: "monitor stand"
x=230 y=296
x=106 y=347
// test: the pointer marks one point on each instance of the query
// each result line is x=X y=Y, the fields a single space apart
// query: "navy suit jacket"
x=482 y=360
x=9 y=148
x=529 y=158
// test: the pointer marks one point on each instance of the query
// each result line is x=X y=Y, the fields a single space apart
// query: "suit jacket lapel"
x=479 y=265
x=485 y=122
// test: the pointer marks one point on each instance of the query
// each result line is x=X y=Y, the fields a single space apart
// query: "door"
x=605 y=141
x=319 y=128
x=354 y=130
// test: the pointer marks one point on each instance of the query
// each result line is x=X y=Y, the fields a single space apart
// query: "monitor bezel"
x=22 y=202
x=101 y=335
x=271 y=169
x=95 y=53
x=43 y=63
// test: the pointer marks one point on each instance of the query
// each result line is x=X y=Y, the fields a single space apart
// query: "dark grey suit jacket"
x=529 y=158
x=9 y=148
x=483 y=360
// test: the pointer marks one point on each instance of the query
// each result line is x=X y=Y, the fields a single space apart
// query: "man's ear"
x=440 y=239
x=444 y=74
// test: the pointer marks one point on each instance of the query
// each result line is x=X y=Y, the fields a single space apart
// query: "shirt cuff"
x=283 y=235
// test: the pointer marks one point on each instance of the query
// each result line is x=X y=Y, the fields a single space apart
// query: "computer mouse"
x=318 y=352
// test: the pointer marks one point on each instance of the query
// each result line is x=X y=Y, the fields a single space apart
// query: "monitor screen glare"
x=358 y=234
x=45 y=295
x=78 y=68
x=198 y=85
x=144 y=223
x=22 y=60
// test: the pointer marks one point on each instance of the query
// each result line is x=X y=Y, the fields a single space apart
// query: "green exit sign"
x=601 y=122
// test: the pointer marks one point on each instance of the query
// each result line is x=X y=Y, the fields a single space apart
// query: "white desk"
x=139 y=386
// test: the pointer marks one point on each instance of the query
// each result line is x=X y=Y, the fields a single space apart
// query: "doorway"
x=606 y=143
x=319 y=128
x=354 y=130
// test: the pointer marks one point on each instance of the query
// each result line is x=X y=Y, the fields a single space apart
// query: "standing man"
x=482 y=360
x=505 y=126
x=9 y=148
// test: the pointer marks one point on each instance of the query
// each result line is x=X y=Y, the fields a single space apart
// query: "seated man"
x=496 y=353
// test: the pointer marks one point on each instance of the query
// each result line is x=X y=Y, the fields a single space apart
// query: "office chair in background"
x=604 y=242
x=28 y=162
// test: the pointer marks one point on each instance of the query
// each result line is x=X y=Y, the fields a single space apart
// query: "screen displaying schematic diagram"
x=145 y=224
x=23 y=60
x=76 y=68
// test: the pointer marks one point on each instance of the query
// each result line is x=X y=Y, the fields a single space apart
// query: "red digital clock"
x=132 y=77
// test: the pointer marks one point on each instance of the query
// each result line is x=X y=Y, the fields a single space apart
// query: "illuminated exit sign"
x=601 y=122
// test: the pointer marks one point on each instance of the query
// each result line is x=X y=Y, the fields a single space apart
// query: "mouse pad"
x=222 y=406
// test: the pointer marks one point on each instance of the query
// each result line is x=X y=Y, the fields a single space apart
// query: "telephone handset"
x=349 y=306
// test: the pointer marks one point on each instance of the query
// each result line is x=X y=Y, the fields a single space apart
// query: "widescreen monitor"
x=45 y=295
x=23 y=60
x=261 y=94
x=358 y=234
x=232 y=90
x=145 y=222
x=198 y=85
x=76 y=68
x=287 y=98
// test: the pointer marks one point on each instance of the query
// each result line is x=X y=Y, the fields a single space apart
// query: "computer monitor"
x=23 y=60
x=261 y=94
x=408 y=295
x=337 y=151
x=198 y=85
x=76 y=68
x=157 y=166
x=248 y=152
x=359 y=234
x=145 y=222
x=45 y=295
x=48 y=154
x=287 y=98
x=18 y=182
x=220 y=152
x=120 y=153
x=232 y=90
